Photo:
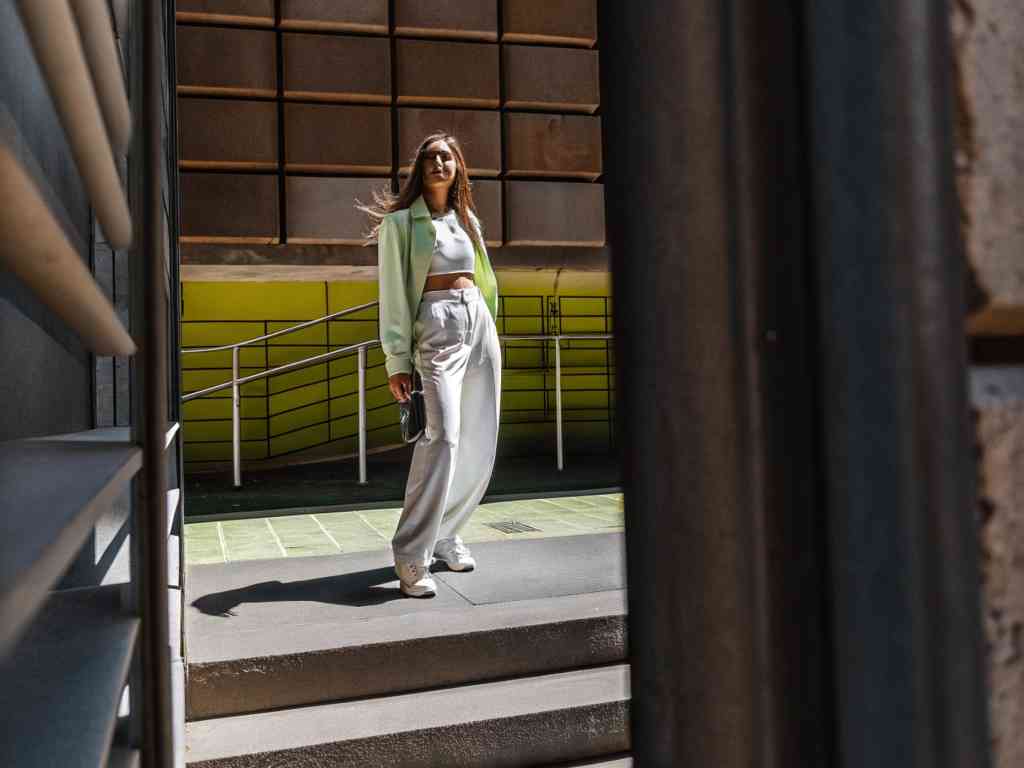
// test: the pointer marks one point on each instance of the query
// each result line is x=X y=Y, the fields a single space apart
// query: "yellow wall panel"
x=253 y=301
x=534 y=302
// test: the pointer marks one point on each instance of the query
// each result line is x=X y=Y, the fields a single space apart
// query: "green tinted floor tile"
x=370 y=530
x=302 y=537
x=476 y=534
x=568 y=503
x=351 y=532
x=383 y=521
x=202 y=544
x=249 y=540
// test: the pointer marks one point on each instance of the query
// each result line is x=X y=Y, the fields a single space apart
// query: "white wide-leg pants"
x=459 y=359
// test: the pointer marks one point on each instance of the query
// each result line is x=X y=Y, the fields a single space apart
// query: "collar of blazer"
x=419 y=209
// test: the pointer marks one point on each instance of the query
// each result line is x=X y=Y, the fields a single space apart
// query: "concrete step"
x=265 y=635
x=542 y=720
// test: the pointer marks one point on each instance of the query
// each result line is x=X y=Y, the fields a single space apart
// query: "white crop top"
x=453 y=249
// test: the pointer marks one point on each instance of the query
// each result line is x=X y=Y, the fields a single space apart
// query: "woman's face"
x=439 y=166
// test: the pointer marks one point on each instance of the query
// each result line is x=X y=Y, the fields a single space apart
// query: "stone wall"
x=988 y=37
x=998 y=396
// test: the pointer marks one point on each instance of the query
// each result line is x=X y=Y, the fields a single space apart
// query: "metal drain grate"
x=512 y=526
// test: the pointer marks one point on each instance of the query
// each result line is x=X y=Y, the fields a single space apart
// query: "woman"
x=438 y=304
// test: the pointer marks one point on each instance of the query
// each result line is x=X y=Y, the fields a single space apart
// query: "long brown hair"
x=460 y=196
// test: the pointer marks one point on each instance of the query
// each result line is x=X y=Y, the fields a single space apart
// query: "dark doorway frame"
x=791 y=363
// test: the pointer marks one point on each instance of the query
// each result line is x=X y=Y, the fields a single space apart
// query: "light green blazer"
x=405 y=245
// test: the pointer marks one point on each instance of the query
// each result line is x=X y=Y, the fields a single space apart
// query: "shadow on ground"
x=360 y=589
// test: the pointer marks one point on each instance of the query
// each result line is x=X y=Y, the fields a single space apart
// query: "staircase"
x=320 y=661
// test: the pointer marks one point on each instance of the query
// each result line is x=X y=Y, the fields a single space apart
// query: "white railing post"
x=558 y=400
x=236 y=426
x=362 y=415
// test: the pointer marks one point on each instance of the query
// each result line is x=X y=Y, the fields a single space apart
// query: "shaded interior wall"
x=307 y=411
x=46 y=386
x=988 y=37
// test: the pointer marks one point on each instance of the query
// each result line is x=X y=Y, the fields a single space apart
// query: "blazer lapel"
x=423 y=237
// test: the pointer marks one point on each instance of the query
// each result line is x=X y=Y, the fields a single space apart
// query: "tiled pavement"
x=360 y=531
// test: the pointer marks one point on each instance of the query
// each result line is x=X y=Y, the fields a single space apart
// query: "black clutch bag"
x=412 y=414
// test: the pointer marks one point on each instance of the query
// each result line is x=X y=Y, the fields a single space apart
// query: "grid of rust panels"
x=291 y=110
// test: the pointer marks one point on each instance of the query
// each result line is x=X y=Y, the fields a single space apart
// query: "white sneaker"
x=454 y=554
x=415 y=580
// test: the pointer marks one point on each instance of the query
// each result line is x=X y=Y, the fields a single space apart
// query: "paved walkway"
x=370 y=530
x=305 y=486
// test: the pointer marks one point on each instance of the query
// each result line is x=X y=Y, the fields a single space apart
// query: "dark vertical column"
x=396 y=160
x=149 y=310
x=282 y=174
x=705 y=194
x=899 y=466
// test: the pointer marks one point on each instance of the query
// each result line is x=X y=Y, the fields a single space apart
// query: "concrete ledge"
x=311 y=664
x=531 y=721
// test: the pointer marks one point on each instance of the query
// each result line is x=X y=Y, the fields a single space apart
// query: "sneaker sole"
x=410 y=593
x=459 y=568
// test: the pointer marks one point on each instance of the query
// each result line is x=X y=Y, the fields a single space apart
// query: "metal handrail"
x=275 y=334
x=292 y=366
x=360 y=349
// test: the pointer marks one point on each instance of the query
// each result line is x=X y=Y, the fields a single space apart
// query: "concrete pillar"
x=692 y=496
x=898 y=461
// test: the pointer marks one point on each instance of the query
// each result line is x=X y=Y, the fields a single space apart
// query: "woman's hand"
x=401 y=386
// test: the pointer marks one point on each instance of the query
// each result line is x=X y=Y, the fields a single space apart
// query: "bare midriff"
x=448 y=282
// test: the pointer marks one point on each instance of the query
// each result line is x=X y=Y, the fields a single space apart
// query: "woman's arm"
x=395 y=313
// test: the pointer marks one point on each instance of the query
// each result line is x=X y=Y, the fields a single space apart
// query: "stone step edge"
x=547 y=719
x=491 y=643
x=623 y=761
